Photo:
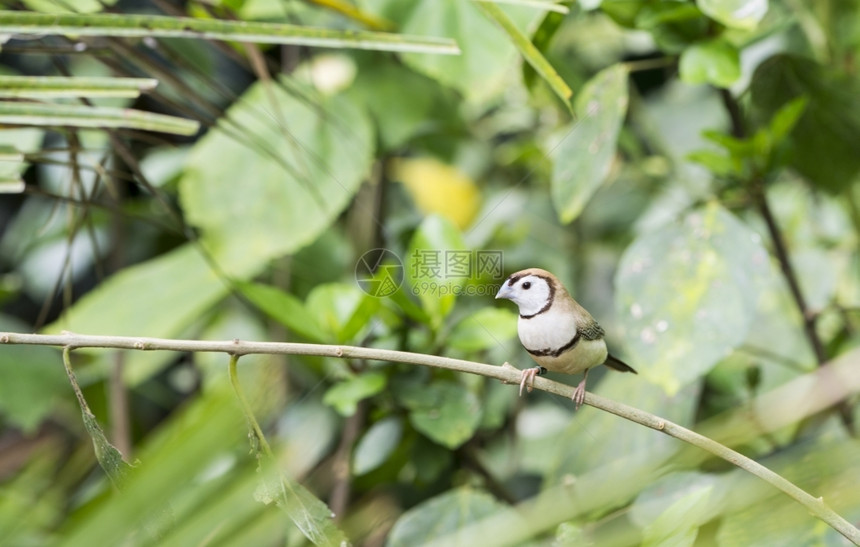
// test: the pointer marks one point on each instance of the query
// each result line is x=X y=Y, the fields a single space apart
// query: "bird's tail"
x=619 y=365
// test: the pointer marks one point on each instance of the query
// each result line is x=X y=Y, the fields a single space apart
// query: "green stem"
x=246 y=407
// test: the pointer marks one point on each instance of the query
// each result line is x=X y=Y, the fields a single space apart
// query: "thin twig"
x=340 y=493
x=780 y=249
x=506 y=373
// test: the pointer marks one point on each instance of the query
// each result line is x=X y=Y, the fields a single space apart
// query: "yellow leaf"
x=437 y=187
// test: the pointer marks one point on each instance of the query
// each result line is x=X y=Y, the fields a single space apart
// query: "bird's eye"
x=527 y=285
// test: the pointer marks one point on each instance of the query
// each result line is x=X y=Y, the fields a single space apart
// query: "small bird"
x=559 y=334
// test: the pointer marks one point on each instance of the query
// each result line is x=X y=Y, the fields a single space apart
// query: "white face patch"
x=531 y=293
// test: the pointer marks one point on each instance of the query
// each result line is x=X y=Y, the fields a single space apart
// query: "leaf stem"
x=246 y=406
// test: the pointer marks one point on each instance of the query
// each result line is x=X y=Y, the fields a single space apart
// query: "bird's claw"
x=529 y=377
x=579 y=395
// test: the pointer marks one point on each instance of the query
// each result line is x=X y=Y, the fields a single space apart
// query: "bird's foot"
x=579 y=394
x=528 y=378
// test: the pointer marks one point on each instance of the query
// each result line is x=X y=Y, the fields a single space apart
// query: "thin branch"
x=340 y=493
x=780 y=249
x=506 y=373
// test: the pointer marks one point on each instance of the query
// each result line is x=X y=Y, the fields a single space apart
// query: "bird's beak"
x=505 y=292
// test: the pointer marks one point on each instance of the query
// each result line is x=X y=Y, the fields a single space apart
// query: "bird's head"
x=532 y=290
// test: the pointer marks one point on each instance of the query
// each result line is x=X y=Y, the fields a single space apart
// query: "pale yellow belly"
x=585 y=355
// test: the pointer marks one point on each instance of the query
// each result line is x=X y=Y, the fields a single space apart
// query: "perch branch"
x=506 y=373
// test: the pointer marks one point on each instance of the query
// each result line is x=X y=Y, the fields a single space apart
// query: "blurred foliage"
x=698 y=194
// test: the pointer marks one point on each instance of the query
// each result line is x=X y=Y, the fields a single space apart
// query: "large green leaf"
x=742 y=14
x=273 y=177
x=679 y=524
x=611 y=439
x=829 y=128
x=447 y=412
x=482 y=68
x=442 y=515
x=376 y=445
x=656 y=500
x=486 y=328
x=402 y=101
x=583 y=158
x=687 y=294
x=31 y=382
x=157 y=298
x=715 y=62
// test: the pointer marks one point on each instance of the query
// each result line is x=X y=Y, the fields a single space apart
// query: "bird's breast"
x=548 y=333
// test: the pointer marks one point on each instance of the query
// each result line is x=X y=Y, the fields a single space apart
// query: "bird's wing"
x=590 y=329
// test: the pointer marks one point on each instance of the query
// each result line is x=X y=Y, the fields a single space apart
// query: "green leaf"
x=741 y=14
x=432 y=268
x=829 y=126
x=786 y=118
x=109 y=457
x=687 y=296
x=124 y=24
x=341 y=310
x=715 y=62
x=481 y=70
x=718 y=164
x=486 y=328
x=623 y=12
x=399 y=99
x=159 y=298
x=583 y=158
x=674 y=25
x=289 y=163
x=376 y=445
x=31 y=383
x=738 y=148
x=345 y=396
x=307 y=431
x=679 y=524
x=542 y=38
x=612 y=440
x=663 y=492
x=447 y=412
x=49 y=115
x=284 y=308
x=528 y=50
x=60 y=86
x=442 y=515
